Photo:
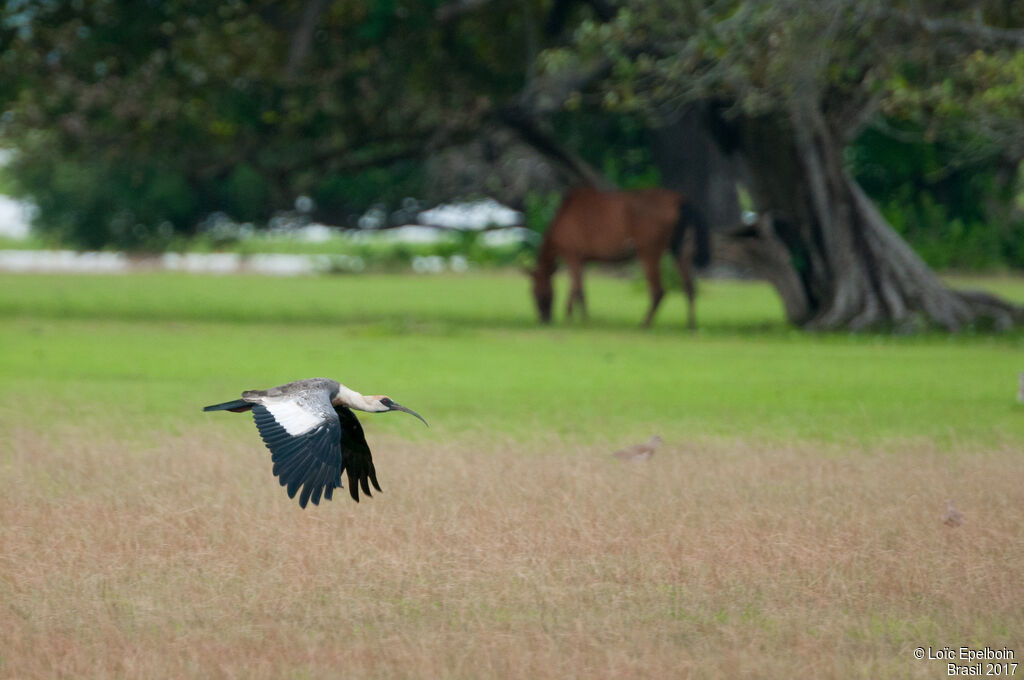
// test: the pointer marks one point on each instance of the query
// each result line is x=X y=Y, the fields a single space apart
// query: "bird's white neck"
x=353 y=399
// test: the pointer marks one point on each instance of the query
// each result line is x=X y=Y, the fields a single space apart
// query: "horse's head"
x=543 y=294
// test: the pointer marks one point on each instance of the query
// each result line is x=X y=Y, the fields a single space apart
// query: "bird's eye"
x=386 y=402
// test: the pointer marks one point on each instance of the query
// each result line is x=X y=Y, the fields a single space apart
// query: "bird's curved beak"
x=399 y=407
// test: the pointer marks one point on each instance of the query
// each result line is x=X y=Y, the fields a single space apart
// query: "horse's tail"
x=690 y=215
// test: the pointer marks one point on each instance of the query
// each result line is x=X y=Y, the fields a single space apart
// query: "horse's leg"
x=684 y=264
x=652 y=269
x=577 y=287
x=575 y=267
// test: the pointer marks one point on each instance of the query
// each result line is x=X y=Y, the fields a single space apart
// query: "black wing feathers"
x=356 y=459
x=311 y=461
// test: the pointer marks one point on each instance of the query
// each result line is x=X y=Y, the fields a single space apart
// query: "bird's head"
x=379 y=404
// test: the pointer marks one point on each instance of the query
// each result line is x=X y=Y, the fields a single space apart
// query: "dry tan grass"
x=716 y=560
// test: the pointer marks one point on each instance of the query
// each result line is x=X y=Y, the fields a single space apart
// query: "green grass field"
x=468 y=351
x=789 y=525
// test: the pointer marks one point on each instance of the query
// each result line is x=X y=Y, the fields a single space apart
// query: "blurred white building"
x=15 y=217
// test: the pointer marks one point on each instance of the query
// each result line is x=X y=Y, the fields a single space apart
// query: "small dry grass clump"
x=718 y=559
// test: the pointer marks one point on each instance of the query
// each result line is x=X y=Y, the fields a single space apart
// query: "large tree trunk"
x=689 y=160
x=853 y=270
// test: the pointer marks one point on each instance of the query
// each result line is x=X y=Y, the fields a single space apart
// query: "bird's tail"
x=238 y=405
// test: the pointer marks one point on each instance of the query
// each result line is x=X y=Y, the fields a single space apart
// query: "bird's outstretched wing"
x=304 y=438
x=355 y=454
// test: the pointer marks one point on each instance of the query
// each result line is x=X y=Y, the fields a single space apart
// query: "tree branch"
x=523 y=124
x=989 y=35
x=548 y=94
x=302 y=38
x=450 y=11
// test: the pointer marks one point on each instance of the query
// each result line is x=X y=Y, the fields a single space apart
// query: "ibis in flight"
x=313 y=436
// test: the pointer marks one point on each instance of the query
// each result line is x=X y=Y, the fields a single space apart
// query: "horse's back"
x=587 y=205
x=657 y=203
x=606 y=225
x=591 y=221
x=652 y=217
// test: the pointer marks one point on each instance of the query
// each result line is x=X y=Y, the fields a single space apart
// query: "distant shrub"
x=94 y=205
x=955 y=213
x=540 y=209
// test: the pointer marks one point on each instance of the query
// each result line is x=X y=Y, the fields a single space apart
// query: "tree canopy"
x=163 y=111
x=133 y=120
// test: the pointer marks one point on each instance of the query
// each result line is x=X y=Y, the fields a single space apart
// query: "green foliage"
x=93 y=204
x=956 y=212
x=338 y=196
x=204 y=96
x=942 y=241
x=541 y=209
x=246 y=194
x=978 y=95
x=762 y=58
x=619 y=143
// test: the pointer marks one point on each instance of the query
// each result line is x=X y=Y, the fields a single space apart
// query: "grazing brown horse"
x=611 y=226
